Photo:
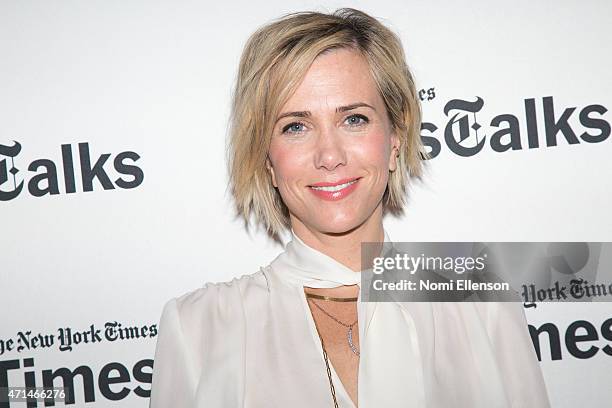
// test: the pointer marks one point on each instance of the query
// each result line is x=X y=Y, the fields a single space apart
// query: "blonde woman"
x=324 y=140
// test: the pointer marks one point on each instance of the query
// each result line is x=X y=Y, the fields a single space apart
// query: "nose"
x=329 y=151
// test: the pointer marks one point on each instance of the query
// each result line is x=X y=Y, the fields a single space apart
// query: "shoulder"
x=216 y=302
x=193 y=320
x=225 y=291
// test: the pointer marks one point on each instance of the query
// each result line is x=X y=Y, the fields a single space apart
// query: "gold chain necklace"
x=350 y=337
x=335 y=299
x=349 y=333
x=331 y=383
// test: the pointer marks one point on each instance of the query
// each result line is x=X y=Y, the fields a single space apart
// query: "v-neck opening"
x=338 y=385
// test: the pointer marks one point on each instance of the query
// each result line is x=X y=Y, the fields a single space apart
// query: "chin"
x=339 y=224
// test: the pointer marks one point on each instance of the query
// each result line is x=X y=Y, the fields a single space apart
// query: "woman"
x=324 y=137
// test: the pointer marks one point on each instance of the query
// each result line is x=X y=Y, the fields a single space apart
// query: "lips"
x=333 y=191
x=335 y=183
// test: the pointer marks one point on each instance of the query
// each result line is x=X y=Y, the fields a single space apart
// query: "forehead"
x=336 y=77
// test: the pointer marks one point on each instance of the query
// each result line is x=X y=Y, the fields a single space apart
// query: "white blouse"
x=252 y=342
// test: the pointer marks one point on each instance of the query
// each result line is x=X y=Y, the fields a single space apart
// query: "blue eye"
x=292 y=126
x=356 y=122
x=297 y=127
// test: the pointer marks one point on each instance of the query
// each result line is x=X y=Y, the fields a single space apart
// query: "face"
x=333 y=146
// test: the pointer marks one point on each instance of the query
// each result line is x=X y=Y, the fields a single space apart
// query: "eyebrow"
x=306 y=114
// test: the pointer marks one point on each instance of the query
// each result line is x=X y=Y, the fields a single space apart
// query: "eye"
x=353 y=120
x=294 y=127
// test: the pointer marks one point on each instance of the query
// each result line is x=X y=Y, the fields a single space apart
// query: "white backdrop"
x=154 y=78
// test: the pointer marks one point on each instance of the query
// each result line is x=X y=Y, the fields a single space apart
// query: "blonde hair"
x=273 y=63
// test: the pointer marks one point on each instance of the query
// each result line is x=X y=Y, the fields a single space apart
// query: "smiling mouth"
x=334 y=191
x=332 y=188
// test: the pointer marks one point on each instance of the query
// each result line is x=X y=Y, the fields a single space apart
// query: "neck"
x=344 y=247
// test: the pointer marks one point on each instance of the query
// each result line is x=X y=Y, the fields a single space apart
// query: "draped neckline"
x=302 y=265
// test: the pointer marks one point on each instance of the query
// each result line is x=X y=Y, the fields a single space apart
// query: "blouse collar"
x=303 y=265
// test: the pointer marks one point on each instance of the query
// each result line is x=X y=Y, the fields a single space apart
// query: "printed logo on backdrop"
x=466 y=135
x=79 y=383
x=42 y=177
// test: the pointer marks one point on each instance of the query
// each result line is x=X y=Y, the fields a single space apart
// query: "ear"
x=395 y=151
x=271 y=170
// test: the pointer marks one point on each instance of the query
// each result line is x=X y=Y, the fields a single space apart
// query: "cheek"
x=374 y=151
x=288 y=163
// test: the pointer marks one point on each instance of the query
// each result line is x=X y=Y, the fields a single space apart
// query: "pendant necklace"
x=349 y=333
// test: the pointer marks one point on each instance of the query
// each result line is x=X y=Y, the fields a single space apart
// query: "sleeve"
x=174 y=375
x=516 y=355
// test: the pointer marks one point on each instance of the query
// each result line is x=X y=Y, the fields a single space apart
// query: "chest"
x=337 y=327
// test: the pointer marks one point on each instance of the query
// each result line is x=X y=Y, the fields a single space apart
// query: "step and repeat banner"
x=113 y=183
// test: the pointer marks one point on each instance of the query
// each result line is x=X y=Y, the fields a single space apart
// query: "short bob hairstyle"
x=273 y=63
